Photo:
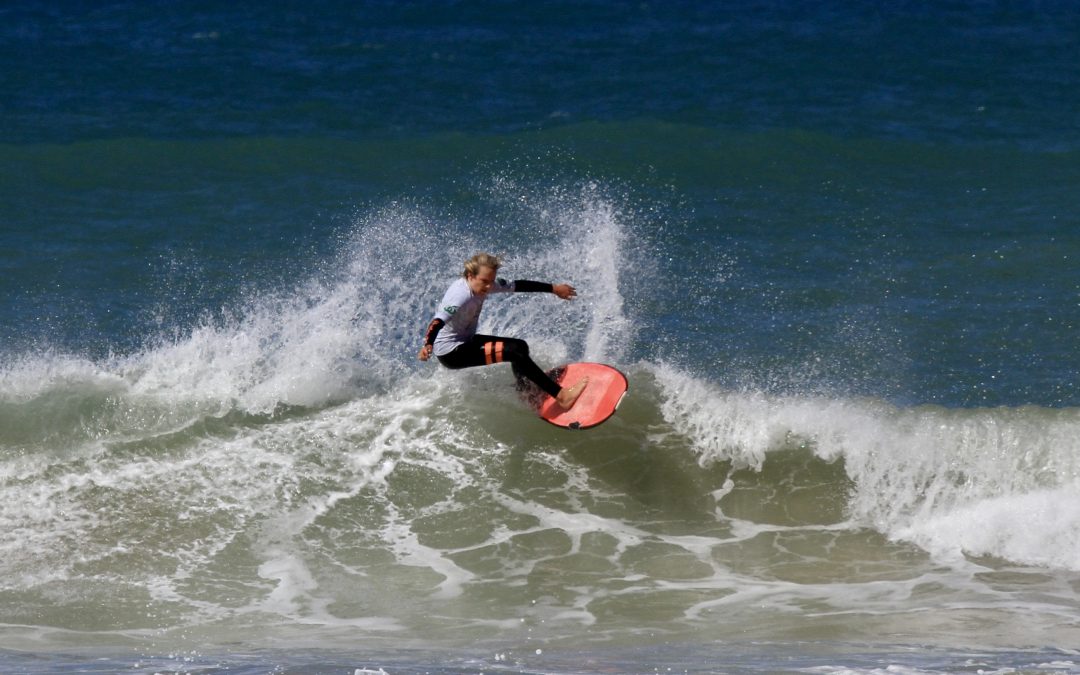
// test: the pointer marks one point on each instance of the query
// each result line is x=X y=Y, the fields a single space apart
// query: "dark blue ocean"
x=833 y=245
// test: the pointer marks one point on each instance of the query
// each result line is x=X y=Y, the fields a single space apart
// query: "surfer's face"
x=481 y=282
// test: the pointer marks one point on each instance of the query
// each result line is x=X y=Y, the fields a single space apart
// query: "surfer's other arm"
x=429 y=339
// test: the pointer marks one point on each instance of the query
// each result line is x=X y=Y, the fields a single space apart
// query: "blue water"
x=834 y=245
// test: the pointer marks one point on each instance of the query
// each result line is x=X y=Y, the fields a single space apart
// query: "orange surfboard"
x=597 y=403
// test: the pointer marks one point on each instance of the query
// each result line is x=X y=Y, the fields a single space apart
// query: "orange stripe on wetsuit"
x=493 y=352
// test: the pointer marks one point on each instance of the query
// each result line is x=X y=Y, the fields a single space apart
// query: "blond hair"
x=473 y=264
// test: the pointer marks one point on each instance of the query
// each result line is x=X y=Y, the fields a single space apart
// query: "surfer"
x=452 y=337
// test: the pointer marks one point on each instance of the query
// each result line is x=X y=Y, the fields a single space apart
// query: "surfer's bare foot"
x=567 y=397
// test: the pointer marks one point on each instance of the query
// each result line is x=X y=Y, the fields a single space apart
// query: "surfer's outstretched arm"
x=564 y=291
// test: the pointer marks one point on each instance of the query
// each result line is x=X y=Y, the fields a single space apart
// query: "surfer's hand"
x=564 y=291
x=425 y=353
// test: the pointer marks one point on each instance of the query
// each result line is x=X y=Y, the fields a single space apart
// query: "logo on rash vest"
x=450 y=309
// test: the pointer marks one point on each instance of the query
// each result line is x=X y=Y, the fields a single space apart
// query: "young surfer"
x=452 y=337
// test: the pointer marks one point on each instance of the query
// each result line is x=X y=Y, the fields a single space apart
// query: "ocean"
x=833 y=245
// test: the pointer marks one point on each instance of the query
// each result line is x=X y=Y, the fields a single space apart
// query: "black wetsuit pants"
x=484 y=350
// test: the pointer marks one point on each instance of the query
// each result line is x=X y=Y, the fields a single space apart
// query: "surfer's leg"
x=467 y=355
x=517 y=353
x=484 y=350
x=499 y=349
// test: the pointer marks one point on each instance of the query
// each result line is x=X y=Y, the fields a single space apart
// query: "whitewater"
x=284 y=473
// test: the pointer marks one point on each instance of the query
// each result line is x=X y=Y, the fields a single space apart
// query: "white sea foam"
x=999 y=482
x=1041 y=527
